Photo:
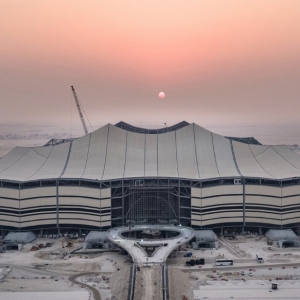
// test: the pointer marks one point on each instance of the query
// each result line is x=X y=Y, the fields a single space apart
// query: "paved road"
x=148 y=283
x=238 y=267
x=95 y=292
x=164 y=246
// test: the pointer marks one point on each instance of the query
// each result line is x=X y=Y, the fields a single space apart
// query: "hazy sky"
x=225 y=62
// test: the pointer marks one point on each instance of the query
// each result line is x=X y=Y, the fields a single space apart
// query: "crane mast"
x=79 y=111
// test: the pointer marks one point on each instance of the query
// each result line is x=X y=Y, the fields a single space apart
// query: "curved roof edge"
x=132 y=128
x=245 y=140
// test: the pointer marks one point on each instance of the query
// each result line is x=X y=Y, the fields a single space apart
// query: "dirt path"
x=148 y=283
x=95 y=292
x=148 y=290
x=231 y=248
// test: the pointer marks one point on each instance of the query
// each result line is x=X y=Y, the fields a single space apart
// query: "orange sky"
x=220 y=61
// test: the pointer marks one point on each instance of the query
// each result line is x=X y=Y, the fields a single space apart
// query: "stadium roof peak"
x=124 y=151
x=132 y=128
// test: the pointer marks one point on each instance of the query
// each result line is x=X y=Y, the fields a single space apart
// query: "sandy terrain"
x=78 y=295
x=282 y=264
x=42 y=271
x=179 y=284
x=119 y=283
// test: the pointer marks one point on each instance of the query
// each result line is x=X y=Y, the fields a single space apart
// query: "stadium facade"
x=122 y=174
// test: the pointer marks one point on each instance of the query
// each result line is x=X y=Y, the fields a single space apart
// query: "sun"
x=161 y=95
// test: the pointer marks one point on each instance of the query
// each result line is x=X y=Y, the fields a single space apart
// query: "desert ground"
x=57 y=273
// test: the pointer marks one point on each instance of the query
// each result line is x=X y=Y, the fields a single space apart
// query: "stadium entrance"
x=151 y=206
x=150 y=201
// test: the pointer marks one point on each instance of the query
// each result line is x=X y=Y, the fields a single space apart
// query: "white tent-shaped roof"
x=111 y=153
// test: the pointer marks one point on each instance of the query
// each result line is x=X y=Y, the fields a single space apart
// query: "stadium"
x=121 y=174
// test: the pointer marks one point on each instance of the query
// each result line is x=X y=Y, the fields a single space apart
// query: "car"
x=250 y=273
x=242 y=272
x=189 y=254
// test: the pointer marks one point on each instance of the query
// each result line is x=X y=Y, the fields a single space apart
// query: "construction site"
x=96 y=268
x=123 y=212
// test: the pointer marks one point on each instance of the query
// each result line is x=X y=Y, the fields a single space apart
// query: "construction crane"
x=79 y=111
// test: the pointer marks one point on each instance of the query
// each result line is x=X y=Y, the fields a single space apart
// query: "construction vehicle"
x=79 y=106
x=69 y=243
x=34 y=248
x=259 y=259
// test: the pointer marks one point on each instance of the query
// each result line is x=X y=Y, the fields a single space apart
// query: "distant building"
x=122 y=174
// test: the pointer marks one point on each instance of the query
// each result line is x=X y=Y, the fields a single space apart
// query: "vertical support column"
x=145 y=194
x=244 y=205
x=280 y=204
x=201 y=203
x=100 y=186
x=57 y=207
x=19 y=206
x=123 y=203
x=179 y=201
